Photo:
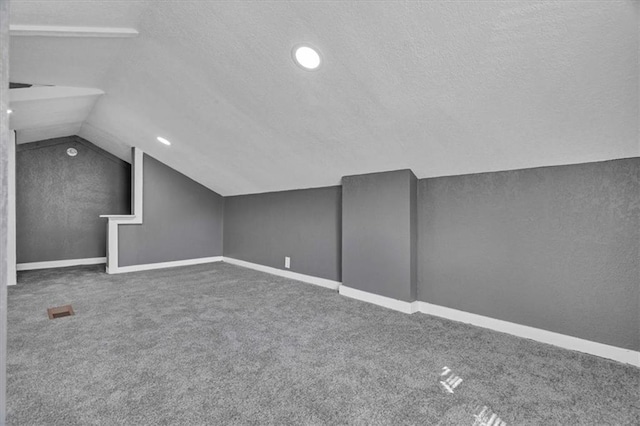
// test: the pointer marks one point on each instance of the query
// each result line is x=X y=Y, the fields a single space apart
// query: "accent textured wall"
x=181 y=220
x=554 y=248
x=302 y=224
x=59 y=199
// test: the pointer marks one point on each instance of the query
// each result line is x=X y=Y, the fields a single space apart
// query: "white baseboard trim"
x=615 y=353
x=163 y=265
x=387 y=302
x=602 y=350
x=322 y=282
x=60 y=263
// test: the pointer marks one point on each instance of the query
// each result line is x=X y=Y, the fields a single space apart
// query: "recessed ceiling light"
x=9 y=111
x=307 y=57
x=163 y=140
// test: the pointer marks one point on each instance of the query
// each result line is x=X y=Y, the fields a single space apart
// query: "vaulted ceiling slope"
x=442 y=88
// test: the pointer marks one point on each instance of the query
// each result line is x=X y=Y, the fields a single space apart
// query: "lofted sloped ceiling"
x=45 y=112
x=442 y=88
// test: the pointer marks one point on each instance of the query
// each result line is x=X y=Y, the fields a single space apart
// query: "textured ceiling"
x=81 y=62
x=441 y=88
x=44 y=112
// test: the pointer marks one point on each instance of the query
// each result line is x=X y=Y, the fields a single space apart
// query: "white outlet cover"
x=287 y=262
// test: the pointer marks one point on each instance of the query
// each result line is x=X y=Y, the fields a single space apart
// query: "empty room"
x=319 y=212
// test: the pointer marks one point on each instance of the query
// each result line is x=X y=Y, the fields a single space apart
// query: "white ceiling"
x=442 y=88
x=49 y=111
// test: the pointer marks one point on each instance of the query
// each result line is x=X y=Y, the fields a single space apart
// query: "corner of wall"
x=135 y=218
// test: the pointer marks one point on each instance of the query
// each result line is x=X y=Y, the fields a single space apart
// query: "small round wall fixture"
x=72 y=152
x=306 y=57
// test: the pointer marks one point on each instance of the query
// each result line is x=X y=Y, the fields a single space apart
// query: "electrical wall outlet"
x=287 y=262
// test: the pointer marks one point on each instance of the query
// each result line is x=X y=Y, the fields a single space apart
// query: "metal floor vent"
x=60 y=311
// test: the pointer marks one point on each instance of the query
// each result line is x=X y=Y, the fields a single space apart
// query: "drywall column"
x=379 y=234
x=4 y=196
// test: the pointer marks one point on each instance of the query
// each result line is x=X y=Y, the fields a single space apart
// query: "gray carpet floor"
x=217 y=344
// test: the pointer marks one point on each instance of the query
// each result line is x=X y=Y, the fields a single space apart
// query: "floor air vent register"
x=60 y=311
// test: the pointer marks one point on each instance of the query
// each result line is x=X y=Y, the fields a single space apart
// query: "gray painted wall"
x=181 y=220
x=302 y=224
x=379 y=233
x=554 y=248
x=59 y=199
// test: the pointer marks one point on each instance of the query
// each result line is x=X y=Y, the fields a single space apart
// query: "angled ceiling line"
x=68 y=31
x=36 y=93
